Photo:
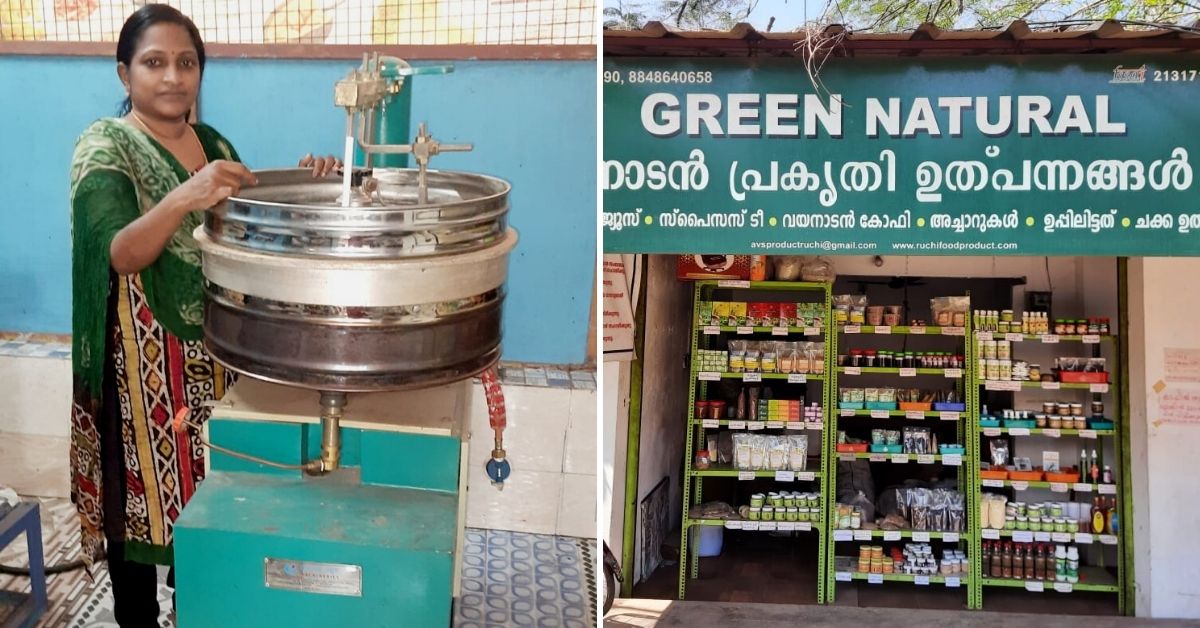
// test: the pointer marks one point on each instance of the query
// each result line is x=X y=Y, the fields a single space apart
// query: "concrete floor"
x=641 y=613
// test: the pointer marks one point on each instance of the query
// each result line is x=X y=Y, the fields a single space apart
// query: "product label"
x=908 y=372
x=711 y=330
x=1087 y=434
x=774 y=425
x=954 y=331
x=1084 y=538
x=921 y=580
x=989 y=533
x=954 y=373
x=1107 y=489
x=889 y=535
x=852 y=329
x=1091 y=339
x=953 y=582
x=1063 y=587
x=737 y=425
x=862 y=535
x=1082 y=487
x=1060 y=537
x=751 y=526
x=1052 y=432
x=812 y=331
x=916 y=330
x=1006 y=386
x=1058 y=487
x=854 y=370
x=1108 y=539
x=312 y=577
x=842 y=535
x=846 y=457
x=755 y=425
x=991 y=431
x=925 y=459
x=994 y=483
x=1020 y=485
x=1022 y=536
x=733 y=283
x=1049 y=339
x=751 y=377
x=1098 y=388
x=804 y=526
x=985 y=335
x=899 y=458
x=1019 y=431
x=1014 y=337
x=914 y=414
x=798 y=378
x=745 y=475
x=733 y=525
x=779 y=331
x=795 y=425
x=842 y=576
x=880 y=414
x=950 y=537
x=878 y=457
x=875 y=578
x=816 y=425
x=1041 y=537
x=1051 y=385
x=785 y=476
x=1035 y=586
x=806 y=476
x=846 y=412
x=709 y=376
x=952 y=460
x=920 y=537
x=883 y=329
x=767 y=526
x=744 y=330
x=711 y=423
x=785 y=526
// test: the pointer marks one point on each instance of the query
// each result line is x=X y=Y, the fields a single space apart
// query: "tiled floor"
x=509 y=579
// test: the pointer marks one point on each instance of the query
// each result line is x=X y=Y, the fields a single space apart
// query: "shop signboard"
x=1004 y=155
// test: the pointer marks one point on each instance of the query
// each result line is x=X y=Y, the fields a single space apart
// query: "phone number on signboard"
x=642 y=76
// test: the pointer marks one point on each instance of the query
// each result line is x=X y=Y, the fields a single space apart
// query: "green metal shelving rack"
x=693 y=485
x=1092 y=579
x=965 y=476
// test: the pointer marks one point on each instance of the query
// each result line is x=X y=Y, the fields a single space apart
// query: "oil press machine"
x=357 y=307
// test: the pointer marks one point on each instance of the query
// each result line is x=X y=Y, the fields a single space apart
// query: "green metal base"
x=400 y=538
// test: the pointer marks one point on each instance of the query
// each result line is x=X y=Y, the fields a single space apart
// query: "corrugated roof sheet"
x=658 y=39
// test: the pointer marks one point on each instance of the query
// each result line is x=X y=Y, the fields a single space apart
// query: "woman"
x=138 y=186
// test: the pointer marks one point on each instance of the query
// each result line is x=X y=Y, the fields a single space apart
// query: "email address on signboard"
x=830 y=245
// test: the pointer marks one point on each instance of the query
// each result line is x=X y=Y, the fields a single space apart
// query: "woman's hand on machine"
x=216 y=182
x=321 y=166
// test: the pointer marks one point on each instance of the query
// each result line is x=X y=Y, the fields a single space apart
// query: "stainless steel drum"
x=388 y=293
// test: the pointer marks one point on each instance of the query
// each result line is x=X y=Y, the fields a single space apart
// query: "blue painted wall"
x=532 y=123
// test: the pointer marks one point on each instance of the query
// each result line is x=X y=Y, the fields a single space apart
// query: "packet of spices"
x=738 y=313
x=706 y=311
x=720 y=313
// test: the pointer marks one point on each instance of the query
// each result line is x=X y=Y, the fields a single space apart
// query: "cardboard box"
x=712 y=267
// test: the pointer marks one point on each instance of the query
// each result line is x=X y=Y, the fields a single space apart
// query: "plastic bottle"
x=758 y=268
x=1097 y=517
x=1094 y=470
x=1060 y=563
x=1083 y=470
x=1039 y=563
x=1108 y=475
x=1072 y=564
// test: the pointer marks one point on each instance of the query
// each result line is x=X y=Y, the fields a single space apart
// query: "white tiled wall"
x=550 y=440
x=551 y=445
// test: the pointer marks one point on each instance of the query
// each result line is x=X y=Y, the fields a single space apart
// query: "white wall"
x=37 y=396
x=664 y=387
x=1163 y=305
x=614 y=399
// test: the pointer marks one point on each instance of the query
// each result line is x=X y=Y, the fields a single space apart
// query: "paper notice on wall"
x=1182 y=365
x=1179 y=405
x=619 y=287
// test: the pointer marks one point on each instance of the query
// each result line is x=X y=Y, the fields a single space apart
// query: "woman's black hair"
x=140 y=22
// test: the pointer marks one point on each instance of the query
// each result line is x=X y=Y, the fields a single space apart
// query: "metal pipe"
x=332 y=405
